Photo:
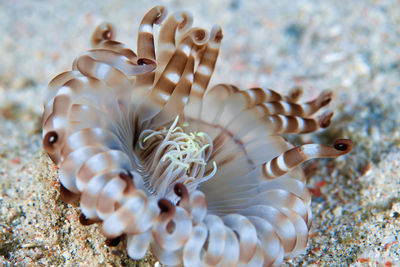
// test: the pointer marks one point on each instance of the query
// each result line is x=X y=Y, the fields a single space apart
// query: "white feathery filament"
x=170 y=156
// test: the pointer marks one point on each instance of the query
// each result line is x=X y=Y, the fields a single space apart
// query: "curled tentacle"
x=137 y=245
x=96 y=64
x=90 y=196
x=182 y=192
x=194 y=246
x=213 y=254
x=294 y=157
x=247 y=235
x=172 y=234
x=207 y=62
x=166 y=40
x=145 y=43
x=103 y=32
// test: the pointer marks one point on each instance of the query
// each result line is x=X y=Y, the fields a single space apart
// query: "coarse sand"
x=350 y=47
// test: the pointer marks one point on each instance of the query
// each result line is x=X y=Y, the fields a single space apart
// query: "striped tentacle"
x=70 y=166
x=145 y=43
x=279 y=116
x=125 y=60
x=111 y=195
x=114 y=70
x=171 y=241
x=228 y=241
x=256 y=96
x=290 y=226
x=75 y=111
x=179 y=96
x=100 y=162
x=166 y=46
x=53 y=87
x=102 y=63
x=171 y=76
x=294 y=187
x=135 y=213
x=90 y=195
x=203 y=72
x=109 y=192
x=271 y=243
x=93 y=137
x=103 y=37
x=213 y=254
x=247 y=236
x=293 y=207
x=74 y=84
x=207 y=62
x=56 y=123
x=281 y=124
x=303 y=110
x=284 y=228
x=196 y=205
x=76 y=137
x=292 y=158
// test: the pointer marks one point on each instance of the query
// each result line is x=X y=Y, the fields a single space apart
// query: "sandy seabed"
x=350 y=47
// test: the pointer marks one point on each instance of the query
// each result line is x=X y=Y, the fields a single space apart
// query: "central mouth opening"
x=171 y=155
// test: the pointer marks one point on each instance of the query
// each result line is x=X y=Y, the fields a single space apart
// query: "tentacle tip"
x=162 y=13
x=295 y=93
x=216 y=33
x=68 y=196
x=325 y=119
x=105 y=31
x=86 y=221
x=50 y=139
x=344 y=145
x=112 y=242
x=128 y=179
x=181 y=190
x=165 y=206
x=325 y=98
x=144 y=61
x=200 y=36
x=185 y=19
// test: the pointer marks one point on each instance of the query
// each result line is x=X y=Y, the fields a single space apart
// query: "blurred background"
x=350 y=47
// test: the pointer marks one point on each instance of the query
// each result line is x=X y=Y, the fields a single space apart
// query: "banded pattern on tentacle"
x=201 y=176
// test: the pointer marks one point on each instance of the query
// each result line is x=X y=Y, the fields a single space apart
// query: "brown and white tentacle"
x=145 y=43
x=292 y=158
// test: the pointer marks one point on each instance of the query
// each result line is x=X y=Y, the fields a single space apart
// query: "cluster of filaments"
x=115 y=126
x=171 y=156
